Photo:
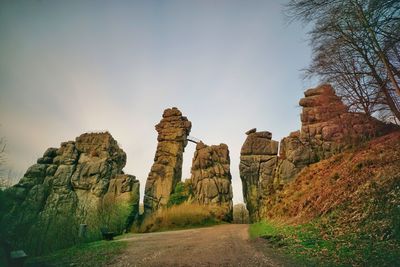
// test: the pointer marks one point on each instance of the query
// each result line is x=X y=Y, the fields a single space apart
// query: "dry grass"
x=182 y=216
x=353 y=183
x=344 y=211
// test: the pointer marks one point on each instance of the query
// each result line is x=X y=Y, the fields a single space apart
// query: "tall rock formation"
x=69 y=186
x=327 y=129
x=258 y=159
x=211 y=177
x=166 y=171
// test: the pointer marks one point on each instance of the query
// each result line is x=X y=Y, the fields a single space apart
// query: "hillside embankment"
x=342 y=210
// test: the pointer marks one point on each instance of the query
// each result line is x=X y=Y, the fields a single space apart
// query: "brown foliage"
x=347 y=181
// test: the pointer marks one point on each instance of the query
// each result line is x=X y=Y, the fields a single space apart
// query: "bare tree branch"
x=356 y=47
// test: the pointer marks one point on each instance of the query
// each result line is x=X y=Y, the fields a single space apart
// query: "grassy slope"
x=99 y=253
x=342 y=211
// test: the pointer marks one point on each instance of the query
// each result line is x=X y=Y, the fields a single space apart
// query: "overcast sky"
x=69 y=67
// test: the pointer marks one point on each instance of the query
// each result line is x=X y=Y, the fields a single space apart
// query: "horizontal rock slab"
x=251 y=131
x=324 y=89
x=259 y=143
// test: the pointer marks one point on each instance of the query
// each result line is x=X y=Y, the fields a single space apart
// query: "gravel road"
x=222 y=245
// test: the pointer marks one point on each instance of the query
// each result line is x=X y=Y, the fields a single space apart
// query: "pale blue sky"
x=69 y=67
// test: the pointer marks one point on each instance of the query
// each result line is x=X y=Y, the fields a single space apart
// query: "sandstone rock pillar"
x=166 y=171
x=211 y=177
x=258 y=160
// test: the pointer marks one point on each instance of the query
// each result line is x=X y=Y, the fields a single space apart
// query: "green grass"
x=311 y=245
x=99 y=253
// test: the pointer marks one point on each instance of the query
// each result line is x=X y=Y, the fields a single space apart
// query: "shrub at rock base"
x=112 y=216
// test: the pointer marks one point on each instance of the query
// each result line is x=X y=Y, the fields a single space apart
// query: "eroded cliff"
x=81 y=182
x=327 y=128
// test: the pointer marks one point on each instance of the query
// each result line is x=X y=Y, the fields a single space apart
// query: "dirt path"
x=222 y=245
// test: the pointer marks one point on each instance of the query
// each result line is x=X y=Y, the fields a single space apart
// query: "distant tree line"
x=240 y=214
x=8 y=176
x=4 y=181
x=356 y=47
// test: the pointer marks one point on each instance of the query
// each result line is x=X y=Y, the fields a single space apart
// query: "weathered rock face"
x=327 y=129
x=166 y=171
x=68 y=186
x=258 y=159
x=211 y=177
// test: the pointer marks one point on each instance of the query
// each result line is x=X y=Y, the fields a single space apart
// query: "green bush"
x=182 y=192
x=59 y=229
x=5 y=202
x=111 y=215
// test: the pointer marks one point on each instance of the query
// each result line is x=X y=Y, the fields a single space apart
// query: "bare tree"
x=356 y=47
x=4 y=176
x=2 y=151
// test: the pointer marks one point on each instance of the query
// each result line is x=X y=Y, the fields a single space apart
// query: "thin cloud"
x=71 y=67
